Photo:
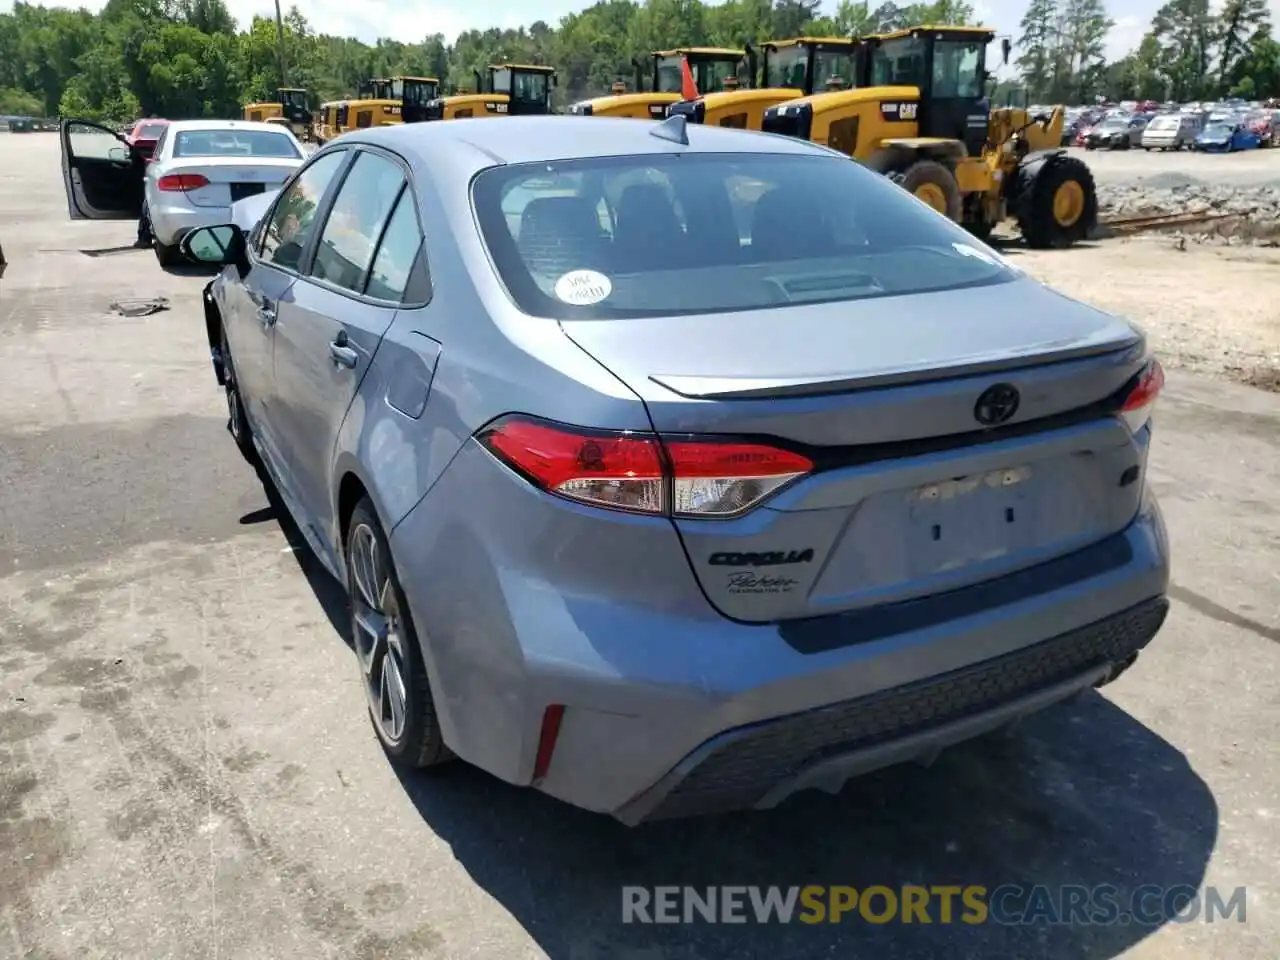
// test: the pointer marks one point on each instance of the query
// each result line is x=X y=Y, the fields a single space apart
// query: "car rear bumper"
x=673 y=710
x=171 y=222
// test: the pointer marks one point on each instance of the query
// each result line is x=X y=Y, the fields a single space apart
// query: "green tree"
x=1038 y=46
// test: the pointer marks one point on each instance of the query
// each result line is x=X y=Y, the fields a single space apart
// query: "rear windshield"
x=150 y=131
x=699 y=233
x=234 y=143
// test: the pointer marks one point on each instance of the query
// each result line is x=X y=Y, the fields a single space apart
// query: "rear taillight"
x=1141 y=399
x=182 y=182
x=642 y=472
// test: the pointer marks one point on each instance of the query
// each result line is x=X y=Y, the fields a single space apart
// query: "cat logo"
x=896 y=111
x=496 y=107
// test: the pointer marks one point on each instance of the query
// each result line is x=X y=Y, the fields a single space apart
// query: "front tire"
x=237 y=421
x=401 y=706
x=932 y=183
x=1058 y=202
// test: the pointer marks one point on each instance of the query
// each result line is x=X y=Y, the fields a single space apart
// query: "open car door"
x=100 y=172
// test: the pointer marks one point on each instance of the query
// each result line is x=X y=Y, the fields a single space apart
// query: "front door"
x=331 y=327
x=275 y=258
x=101 y=173
x=956 y=107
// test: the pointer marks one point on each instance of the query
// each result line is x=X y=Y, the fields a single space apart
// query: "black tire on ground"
x=166 y=255
x=237 y=422
x=420 y=744
x=1038 y=185
x=931 y=172
x=980 y=229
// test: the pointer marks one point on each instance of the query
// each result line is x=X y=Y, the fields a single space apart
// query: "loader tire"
x=932 y=183
x=1057 y=202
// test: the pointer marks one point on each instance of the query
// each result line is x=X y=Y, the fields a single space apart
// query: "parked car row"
x=1216 y=131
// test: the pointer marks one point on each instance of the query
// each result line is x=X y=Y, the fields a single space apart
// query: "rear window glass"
x=234 y=143
x=699 y=233
x=150 y=131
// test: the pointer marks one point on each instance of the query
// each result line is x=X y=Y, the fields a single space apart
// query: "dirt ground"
x=187 y=771
x=1211 y=309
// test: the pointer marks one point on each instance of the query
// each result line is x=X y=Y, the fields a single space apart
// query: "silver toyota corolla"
x=673 y=470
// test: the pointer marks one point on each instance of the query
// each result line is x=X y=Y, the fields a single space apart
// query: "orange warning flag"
x=688 y=89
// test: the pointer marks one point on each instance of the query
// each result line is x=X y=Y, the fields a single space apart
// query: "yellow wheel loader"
x=923 y=118
x=789 y=69
x=288 y=108
x=386 y=103
x=510 y=89
x=713 y=69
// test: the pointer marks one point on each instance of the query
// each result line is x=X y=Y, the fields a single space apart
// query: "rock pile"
x=1174 y=193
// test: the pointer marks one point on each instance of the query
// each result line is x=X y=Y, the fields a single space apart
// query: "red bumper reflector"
x=551 y=718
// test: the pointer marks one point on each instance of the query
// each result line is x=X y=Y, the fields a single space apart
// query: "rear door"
x=330 y=327
x=101 y=174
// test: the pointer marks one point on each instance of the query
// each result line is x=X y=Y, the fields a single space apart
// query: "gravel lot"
x=186 y=770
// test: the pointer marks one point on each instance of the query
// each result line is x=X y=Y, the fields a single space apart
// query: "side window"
x=397 y=252
x=356 y=220
x=291 y=221
x=158 y=150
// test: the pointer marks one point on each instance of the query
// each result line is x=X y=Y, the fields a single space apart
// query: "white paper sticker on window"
x=581 y=288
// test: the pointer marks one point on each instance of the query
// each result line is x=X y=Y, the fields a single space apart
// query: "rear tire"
x=391 y=667
x=1058 y=202
x=935 y=185
x=166 y=255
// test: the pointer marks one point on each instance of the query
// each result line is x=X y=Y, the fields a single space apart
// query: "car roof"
x=180 y=125
x=537 y=139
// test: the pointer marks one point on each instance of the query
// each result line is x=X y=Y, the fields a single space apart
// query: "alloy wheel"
x=379 y=640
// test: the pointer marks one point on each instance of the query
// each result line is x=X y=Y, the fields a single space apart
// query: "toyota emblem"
x=997 y=404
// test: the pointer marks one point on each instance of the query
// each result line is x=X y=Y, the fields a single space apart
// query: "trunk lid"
x=911 y=494
x=233 y=178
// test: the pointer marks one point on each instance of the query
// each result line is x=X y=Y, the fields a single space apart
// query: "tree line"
x=189 y=58
x=1189 y=53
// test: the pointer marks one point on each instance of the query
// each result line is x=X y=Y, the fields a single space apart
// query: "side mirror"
x=216 y=246
x=118 y=154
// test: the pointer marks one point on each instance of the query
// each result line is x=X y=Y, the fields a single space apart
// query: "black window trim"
x=420 y=261
x=255 y=255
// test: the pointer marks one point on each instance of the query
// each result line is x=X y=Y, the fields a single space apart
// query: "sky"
x=369 y=19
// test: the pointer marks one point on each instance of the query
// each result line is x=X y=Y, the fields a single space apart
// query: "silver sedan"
x=198 y=170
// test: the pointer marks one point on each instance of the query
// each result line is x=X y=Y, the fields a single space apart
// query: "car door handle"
x=342 y=354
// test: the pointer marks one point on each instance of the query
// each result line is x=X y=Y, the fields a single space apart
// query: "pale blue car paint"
x=681 y=696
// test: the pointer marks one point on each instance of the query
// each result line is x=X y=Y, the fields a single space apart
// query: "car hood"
x=816 y=348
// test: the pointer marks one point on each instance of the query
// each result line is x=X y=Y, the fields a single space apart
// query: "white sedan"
x=198 y=170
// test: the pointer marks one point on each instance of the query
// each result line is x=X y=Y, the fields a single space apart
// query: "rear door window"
x=397 y=254
x=355 y=223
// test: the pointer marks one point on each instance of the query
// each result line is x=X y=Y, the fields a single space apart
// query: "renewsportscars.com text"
x=1009 y=904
